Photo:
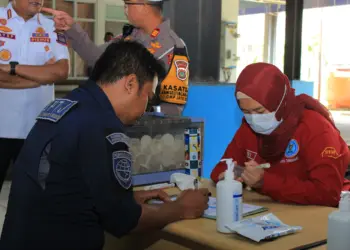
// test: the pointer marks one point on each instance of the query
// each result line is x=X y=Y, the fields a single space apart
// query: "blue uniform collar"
x=98 y=94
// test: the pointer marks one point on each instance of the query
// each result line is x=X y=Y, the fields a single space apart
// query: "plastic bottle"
x=339 y=225
x=228 y=199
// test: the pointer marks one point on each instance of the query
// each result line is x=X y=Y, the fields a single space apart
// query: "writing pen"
x=238 y=170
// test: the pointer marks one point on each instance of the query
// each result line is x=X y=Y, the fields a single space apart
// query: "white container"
x=228 y=199
x=339 y=225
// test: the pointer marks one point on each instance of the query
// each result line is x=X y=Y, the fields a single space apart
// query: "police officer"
x=73 y=177
x=154 y=33
x=32 y=56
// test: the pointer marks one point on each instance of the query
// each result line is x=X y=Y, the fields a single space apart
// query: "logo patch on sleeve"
x=292 y=149
x=251 y=155
x=330 y=152
x=56 y=110
x=122 y=162
x=118 y=137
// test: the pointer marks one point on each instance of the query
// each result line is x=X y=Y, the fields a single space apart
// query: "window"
x=250 y=45
x=115 y=18
x=84 y=12
x=325 y=54
x=280 y=40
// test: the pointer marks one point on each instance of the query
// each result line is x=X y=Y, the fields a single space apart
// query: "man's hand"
x=193 y=203
x=142 y=197
x=5 y=68
x=252 y=175
x=62 y=20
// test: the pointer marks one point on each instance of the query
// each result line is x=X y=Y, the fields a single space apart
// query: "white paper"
x=211 y=211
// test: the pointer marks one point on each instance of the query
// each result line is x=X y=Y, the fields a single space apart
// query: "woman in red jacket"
x=295 y=134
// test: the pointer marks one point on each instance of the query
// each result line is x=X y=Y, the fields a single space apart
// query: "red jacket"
x=312 y=170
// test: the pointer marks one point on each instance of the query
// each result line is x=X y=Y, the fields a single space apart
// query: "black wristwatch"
x=13 y=68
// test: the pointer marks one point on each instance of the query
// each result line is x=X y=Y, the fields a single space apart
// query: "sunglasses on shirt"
x=128 y=2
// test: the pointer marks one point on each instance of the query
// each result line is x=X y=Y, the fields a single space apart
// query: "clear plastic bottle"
x=228 y=199
x=339 y=225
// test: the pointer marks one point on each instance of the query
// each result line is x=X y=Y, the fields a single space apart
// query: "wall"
x=222 y=117
x=303 y=87
x=198 y=23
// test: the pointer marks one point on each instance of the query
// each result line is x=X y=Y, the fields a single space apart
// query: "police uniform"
x=33 y=42
x=73 y=179
x=164 y=44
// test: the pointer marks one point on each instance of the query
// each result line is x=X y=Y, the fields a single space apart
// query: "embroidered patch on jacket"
x=122 y=162
x=9 y=14
x=251 y=155
x=118 y=137
x=3 y=21
x=151 y=50
x=5 y=29
x=8 y=36
x=155 y=33
x=40 y=36
x=156 y=45
x=181 y=69
x=61 y=39
x=330 y=152
x=56 y=110
x=292 y=149
x=5 y=55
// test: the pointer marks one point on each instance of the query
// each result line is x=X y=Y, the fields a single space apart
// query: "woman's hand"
x=222 y=175
x=252 y=175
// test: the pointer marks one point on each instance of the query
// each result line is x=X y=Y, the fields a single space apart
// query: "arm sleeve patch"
x=56 y=110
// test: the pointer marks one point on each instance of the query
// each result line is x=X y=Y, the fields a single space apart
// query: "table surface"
x=313 y=219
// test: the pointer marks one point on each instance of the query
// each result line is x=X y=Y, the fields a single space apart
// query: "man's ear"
x=130 y=84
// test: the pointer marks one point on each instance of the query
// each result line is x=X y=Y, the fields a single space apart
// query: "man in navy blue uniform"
x=72 y=180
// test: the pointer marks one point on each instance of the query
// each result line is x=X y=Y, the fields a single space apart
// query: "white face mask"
x=264 y=123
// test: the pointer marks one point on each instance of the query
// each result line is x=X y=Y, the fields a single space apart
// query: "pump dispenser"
x=228 y=199
x=339 y=225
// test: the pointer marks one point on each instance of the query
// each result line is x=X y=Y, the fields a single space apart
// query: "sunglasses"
x=128 y=2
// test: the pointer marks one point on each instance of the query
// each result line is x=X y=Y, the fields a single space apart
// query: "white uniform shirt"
x=30 y=43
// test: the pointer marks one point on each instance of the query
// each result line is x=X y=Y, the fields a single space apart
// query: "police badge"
x=181 y=69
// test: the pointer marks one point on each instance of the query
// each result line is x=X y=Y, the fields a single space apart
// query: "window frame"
x=94 y=20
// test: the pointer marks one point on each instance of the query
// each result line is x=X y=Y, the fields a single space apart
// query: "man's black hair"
x=108 y=34
x=124 y=58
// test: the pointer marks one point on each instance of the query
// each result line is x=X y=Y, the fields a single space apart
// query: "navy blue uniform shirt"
x=72 y=180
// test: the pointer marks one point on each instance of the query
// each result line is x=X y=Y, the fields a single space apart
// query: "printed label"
x=237 y=207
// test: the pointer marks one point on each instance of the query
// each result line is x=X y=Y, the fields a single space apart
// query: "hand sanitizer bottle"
x=228 y=199
x=339 y=225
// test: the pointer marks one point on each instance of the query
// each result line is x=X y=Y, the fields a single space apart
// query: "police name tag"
x=56 y=110
x=122 y=162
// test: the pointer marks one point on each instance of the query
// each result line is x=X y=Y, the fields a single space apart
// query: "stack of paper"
x=248 y=209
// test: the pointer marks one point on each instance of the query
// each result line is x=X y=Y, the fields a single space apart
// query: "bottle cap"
x=229 y=175
x=344 y=203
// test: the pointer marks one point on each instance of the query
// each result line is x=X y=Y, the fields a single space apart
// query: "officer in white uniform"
x=32 y=58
